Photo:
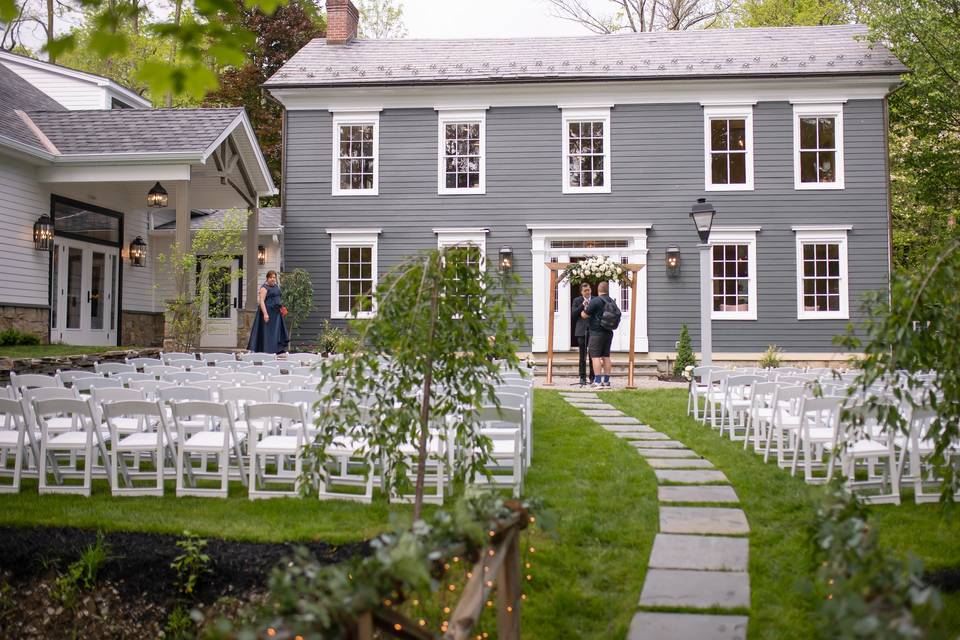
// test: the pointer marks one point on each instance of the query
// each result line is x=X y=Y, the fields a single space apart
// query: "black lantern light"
x=157 y=197
x=43 y=233
x=506 y=259
x=702 y=213
x=673 y=261
x=261 y=254
x=138 y=252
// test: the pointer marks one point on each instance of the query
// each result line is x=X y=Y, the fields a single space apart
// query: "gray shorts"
x=599 y=345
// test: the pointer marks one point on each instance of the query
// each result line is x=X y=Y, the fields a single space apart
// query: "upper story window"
x=818 y=146
x=474 y=238
x=586 y=150
x=728 y=147
x=462 y=152
x=734 y=254
x=356 y=152
x=353 y=261
x=822 y=287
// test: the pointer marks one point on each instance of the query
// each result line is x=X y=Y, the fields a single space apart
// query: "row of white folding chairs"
x=84 y=381
x=213 y=357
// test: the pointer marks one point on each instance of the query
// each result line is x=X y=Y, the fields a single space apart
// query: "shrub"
x=684 y=352
x=771 y=358
x=191 y=564
x=14 y=338
x=329 y=339
x=297 y=293
x=82 y=574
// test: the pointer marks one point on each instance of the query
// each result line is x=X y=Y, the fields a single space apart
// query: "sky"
x=484 y=19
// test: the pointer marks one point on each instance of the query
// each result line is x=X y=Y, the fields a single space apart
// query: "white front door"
x=220 y=308
x=84 y=290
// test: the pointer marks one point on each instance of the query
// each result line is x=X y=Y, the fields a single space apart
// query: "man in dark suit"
x=581 y=330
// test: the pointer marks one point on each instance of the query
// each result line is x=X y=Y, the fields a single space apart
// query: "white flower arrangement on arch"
x=595 y=269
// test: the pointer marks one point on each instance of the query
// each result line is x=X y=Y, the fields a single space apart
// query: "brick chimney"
x=342 y=21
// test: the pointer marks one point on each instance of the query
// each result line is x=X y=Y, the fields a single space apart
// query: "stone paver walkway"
x=700 y=557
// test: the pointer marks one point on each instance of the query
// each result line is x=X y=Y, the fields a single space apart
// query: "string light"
x=509 y=609
x=489 y=603
x=423 y=622
x=398 y=627
x=452 y=587
x=271 y=632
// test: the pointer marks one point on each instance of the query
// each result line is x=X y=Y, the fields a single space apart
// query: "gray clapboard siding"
x=657 y=172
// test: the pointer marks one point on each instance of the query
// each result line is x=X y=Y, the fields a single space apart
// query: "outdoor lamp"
x=138 y=252
x=157 y=197
x=43 y=233
x=261 y=254
x=702 y=213
x=673 y=261
x=506 y=259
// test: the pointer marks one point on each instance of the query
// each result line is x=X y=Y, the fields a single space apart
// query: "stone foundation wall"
x=49 y=365
x=244 y=325
x=142 y=328
x=35 y=320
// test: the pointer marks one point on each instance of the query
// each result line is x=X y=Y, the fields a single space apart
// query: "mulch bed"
x=135 y=590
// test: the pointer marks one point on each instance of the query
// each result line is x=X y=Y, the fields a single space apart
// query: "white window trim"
x=459 y=236
x=822 y=109
x=737 y=235
x=833 y=234
x=583 y=113
x=446 y=116
x=351 y=238
x=718 y=112
x=342 y=118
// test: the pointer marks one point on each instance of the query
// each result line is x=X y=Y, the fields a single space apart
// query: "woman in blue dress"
x=269 y=333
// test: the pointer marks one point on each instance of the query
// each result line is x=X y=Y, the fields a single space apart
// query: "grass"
x=46 y=350
x=781 y=512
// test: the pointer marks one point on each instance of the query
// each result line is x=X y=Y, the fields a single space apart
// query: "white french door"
x=84 y=281
x=220 y=308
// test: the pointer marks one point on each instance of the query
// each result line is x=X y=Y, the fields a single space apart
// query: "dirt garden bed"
x=135 y=591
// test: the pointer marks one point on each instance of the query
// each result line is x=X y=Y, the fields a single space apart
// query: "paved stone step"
x=649 y=625
x=659 y=444
x=648 y=452
x=679 y=463
x=699 y=589
x=708 y=520
x=702 y=553
x=579 y=395
x=695 y=476
x=631 y=428
x=617 y=420
x=695 y=493
x=603 y=413
x=643 y=435
x=598 y=406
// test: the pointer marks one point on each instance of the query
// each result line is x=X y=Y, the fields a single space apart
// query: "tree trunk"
x=50 y=6
x=425 y=408
x=178 y=12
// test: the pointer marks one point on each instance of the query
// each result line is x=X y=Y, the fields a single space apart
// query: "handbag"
x=283 y=311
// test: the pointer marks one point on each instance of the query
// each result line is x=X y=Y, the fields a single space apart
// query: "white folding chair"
x=240 y=378
x=126 y=377
x=17 y=439
x=916 y=449
x=861 y=439
x=113 y=368
x=785 y=422
x=69 y=376
x=153 y=438
x=819 y=422
x=239 y=397
x=763 y=397
x=346 y=468
x=257 y=357
x=699 y=385
x=19 y=382
x=150 y=387
x=503 y=426
x=304 y=359
x=218 y=357
x=286 y=423
x=296 y=381
x=169 y=357
x=735 y=407
x=161 y=370
x=186 y=365
x=218 y=438
x=185 y=377
x=83 y=440
x=84 y=386
x=141 y=363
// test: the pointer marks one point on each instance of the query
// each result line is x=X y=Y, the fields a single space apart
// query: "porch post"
x=250 y=259
x=182 y=228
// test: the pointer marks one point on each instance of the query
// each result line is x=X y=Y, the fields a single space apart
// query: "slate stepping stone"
x=708 y=520
x=648 y=625
x=618 y=420
x=595 y=406
x=679 y=463
x=702 y=553
x=580 y=395
x=648 y=452
x=629 y=428
x=660 y=444
x=644 y=435
x=697 y=589
x=602 y=413
x=694 y=476
x=693 y=493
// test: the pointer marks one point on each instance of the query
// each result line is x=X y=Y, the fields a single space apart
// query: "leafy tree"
x=442 y=331
x=278 y=36
x=297 y=297
x=643 y=15
x=793 y=13
x=381 y=19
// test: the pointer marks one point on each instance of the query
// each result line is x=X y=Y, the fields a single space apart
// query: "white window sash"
x=727 y=112
x=822 y=110
x=594 y=114
x=351 y=238
x=821 y=235
x=740 y=236
x=461 y=116
x=457 y=237
x=358 y=118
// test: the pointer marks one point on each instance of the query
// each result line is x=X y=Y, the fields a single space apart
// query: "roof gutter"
x=27 y=149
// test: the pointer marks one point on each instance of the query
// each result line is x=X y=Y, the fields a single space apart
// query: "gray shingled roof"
x=789 y=51
x=134 y=130
x=199 y=218
x=18 y=94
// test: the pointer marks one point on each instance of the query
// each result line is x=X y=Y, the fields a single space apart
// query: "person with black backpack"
x=604 y=316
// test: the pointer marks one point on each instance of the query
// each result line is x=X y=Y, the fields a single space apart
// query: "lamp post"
x=702 y=213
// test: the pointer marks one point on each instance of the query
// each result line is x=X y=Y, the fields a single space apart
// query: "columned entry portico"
x=562 y=243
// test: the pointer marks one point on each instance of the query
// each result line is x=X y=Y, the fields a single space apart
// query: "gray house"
x=554 y=149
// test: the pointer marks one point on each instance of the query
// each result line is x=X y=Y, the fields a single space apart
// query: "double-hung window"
x=472 y=240
x=462 y=152
x=818 y=146
x=356 y=153
x=728 y=147
x=822 y=286
x=734 y=274
x=586 y=150
x=353 y=260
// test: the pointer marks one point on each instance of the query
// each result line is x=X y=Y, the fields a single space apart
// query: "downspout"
x=886 y=168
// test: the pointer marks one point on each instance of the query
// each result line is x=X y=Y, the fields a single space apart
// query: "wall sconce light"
x=673 y=261
x=157 y=197
x=506 y=259
x=43 y=233
x=138 y=252
x=261 y=254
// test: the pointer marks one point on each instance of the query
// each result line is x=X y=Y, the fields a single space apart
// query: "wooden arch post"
x=555 y=268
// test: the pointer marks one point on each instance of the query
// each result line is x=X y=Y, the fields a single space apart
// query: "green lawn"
x=781 y=512
x=45 y=350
